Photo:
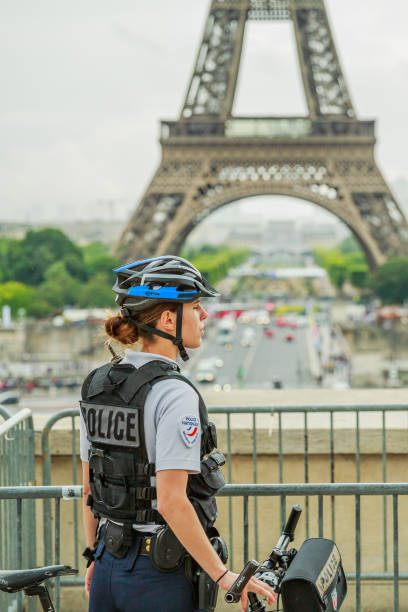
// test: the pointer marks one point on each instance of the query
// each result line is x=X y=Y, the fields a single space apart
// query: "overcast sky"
x=85 y=83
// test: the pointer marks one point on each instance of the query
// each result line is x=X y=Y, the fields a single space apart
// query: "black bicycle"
x=30 y=581
x=309 y=580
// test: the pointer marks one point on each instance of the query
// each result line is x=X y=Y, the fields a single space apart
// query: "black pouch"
x=166 y=551
x=118 y=539
x=205 y=589
x=315 y=580
x=210 y=480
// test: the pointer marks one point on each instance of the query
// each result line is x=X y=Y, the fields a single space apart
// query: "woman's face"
x=194 y=316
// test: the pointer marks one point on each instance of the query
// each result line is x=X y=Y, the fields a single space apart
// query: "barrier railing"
x=284 y=444
x=352 y=530
x=24 y=498
x=359 y=566
x=46 y=476
x=16 y=524
x=338 y=428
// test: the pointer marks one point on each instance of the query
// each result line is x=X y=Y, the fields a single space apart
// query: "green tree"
x=97 y=292
x=39 y=305
x=103 y=265
x=16 y=295
x=25 y=265
x=98 y=261
x=94 y=250
x=60 y=288
x=215 y=266
x=344 y=265
x=358 y=275
x=350 y=245
x=28 y=259
x=75 y=266
x=4 y=245
x=338 y=273
x=390 y=281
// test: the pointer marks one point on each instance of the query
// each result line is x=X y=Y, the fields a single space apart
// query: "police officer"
x=150 y=467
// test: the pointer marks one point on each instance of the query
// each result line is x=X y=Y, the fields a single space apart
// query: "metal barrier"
x=281 y=445
x=46 y=476
x=278 y=446
x=24 y=498
x=16 y=524
x=350 y=545
x=352 y=529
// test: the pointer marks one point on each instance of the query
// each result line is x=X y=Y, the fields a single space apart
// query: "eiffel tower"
x=211 y=158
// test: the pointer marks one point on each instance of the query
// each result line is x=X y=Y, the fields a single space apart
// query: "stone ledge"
x=292 y=424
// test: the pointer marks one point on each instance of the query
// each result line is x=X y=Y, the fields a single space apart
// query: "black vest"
x=113 y=399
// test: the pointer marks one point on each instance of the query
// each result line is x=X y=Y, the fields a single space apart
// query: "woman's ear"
x=168 y=320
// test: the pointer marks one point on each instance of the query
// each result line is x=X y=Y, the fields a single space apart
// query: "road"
x=267 y=360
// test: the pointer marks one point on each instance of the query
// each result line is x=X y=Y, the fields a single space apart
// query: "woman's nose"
x=204 y=314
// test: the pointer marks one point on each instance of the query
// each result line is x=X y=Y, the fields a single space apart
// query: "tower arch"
x=210 y=157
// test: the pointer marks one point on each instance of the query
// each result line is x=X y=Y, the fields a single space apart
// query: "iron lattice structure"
x=211 y=158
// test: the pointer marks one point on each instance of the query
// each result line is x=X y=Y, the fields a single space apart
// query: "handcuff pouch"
x=166 y=551
x=118 y=539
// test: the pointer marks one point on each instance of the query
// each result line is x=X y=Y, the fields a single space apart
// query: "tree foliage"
x=16 y=295
x=390 y=281
x=216 y=263
x=349 y=245
x=54 y=273
x=342 y=265
x=45 y=271
x=28 y=259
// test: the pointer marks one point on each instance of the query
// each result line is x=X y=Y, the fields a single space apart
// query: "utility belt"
x=165 y=551
x=167 y=554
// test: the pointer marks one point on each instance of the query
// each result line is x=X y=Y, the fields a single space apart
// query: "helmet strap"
x=177 y=339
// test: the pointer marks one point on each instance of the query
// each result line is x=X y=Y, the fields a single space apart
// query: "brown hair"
x=124 y=331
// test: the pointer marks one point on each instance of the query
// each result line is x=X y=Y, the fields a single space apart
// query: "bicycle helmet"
x=144 y=283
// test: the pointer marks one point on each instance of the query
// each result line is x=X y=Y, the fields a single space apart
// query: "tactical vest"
x=112 y=406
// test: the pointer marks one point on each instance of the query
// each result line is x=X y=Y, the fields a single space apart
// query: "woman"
x=150 y=470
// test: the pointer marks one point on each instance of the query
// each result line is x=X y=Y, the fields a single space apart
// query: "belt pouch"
x=207 y=592
x=166 y=551
x=118 y=539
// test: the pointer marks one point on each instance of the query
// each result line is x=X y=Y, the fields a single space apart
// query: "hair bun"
x=122 y=329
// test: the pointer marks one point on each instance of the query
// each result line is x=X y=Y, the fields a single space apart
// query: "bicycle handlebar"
x=234 y=593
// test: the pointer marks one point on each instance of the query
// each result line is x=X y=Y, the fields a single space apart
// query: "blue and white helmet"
x=142 y=284
x=145 y=283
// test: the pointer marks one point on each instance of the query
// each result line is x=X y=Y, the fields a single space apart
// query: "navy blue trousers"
x=131 y=584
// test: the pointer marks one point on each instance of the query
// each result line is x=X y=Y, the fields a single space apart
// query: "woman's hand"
x=254 y=586
x=88 y=577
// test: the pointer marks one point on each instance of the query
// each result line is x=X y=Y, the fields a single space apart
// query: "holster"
x=166 y=551
x=118 y=538
x=205 y=589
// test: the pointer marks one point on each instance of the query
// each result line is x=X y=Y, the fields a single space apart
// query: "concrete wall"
x=376 y=596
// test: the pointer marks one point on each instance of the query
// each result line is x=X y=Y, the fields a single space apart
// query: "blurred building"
x=81 y=232
x=326 y=235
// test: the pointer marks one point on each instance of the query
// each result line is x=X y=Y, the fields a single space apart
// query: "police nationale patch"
x=189 y=428
x=334 y=598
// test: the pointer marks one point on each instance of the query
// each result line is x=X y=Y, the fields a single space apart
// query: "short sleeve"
x=178 y=429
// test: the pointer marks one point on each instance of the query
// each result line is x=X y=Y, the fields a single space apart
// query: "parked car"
x=9 y=398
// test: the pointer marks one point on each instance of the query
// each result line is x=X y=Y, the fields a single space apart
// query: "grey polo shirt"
x=171 y=423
